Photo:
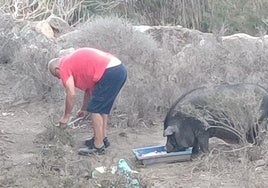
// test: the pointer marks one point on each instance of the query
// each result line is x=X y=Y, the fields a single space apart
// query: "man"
x=101 y=76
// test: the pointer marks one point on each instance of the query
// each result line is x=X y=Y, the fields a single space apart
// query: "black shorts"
x=106 y=90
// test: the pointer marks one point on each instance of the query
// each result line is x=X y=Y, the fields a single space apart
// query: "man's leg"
x=90 y=142
x=102 y=99
x=98 y=126
x=105 y=122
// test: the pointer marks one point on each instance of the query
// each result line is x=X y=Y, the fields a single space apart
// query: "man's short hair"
x=52 y=64
x=67 y=51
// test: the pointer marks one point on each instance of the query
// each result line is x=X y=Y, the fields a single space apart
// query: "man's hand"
x=81 y=113
x=64 y=121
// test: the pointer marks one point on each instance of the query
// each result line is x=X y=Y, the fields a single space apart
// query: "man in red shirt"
x=101 y=76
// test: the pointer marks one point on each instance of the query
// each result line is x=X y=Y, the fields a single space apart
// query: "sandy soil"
x=27 y=158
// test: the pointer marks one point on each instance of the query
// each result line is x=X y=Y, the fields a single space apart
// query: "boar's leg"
x=251 y=134
x=203 y=141
x=195 y=149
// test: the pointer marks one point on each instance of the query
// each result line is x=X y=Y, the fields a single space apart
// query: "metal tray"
x=158 y=154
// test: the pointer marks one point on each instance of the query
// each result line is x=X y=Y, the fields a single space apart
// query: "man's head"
x=54 y=64
x=53 y=67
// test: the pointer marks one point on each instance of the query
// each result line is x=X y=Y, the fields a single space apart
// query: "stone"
x=58 y=25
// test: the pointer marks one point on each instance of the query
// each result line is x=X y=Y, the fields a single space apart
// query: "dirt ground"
x=27 y=137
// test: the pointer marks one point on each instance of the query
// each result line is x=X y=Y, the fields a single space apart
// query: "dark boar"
x=234 y=113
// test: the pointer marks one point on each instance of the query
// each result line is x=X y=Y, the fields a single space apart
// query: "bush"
x=25 y=53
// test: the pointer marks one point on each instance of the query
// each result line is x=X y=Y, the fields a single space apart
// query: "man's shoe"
x=94 y=150
x=90 y=142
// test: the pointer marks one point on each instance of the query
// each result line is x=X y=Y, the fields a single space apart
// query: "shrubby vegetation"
x=161 y=65
x=224 y=16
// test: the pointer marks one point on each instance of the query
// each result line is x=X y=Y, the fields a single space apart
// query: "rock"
x=44 y=28
x=142 y=28
x=58 y=25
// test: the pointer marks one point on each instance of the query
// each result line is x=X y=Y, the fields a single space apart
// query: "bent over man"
x=101 y=76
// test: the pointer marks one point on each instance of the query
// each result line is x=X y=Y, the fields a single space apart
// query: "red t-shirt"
x=86 y=65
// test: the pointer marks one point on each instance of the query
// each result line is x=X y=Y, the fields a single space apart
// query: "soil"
x=28 y=136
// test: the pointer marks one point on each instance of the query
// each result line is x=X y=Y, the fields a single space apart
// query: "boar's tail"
x=169 y=114
x=181 y=97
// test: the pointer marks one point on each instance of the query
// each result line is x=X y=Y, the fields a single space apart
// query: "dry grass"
x=239 y=165
x=57 y=162
x=39 y=10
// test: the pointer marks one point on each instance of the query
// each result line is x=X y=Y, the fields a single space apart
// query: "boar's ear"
x=169 y=131
x=228 y=134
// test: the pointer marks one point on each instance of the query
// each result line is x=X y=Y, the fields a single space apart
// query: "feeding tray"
x=158 y=154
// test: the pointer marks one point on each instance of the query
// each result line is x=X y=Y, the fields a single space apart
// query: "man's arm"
x=85 y=100
x=83 y=112
x=69 y=100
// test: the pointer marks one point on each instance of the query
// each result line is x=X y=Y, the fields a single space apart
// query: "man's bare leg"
x=98 y=123
x=105 y=122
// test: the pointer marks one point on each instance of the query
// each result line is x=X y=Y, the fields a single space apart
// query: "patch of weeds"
x=54 y=134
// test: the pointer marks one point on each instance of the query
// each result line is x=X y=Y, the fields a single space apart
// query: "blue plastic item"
x=159 y=155
x=126 y=171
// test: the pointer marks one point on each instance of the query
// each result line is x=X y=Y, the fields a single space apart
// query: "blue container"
x=158 y=154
